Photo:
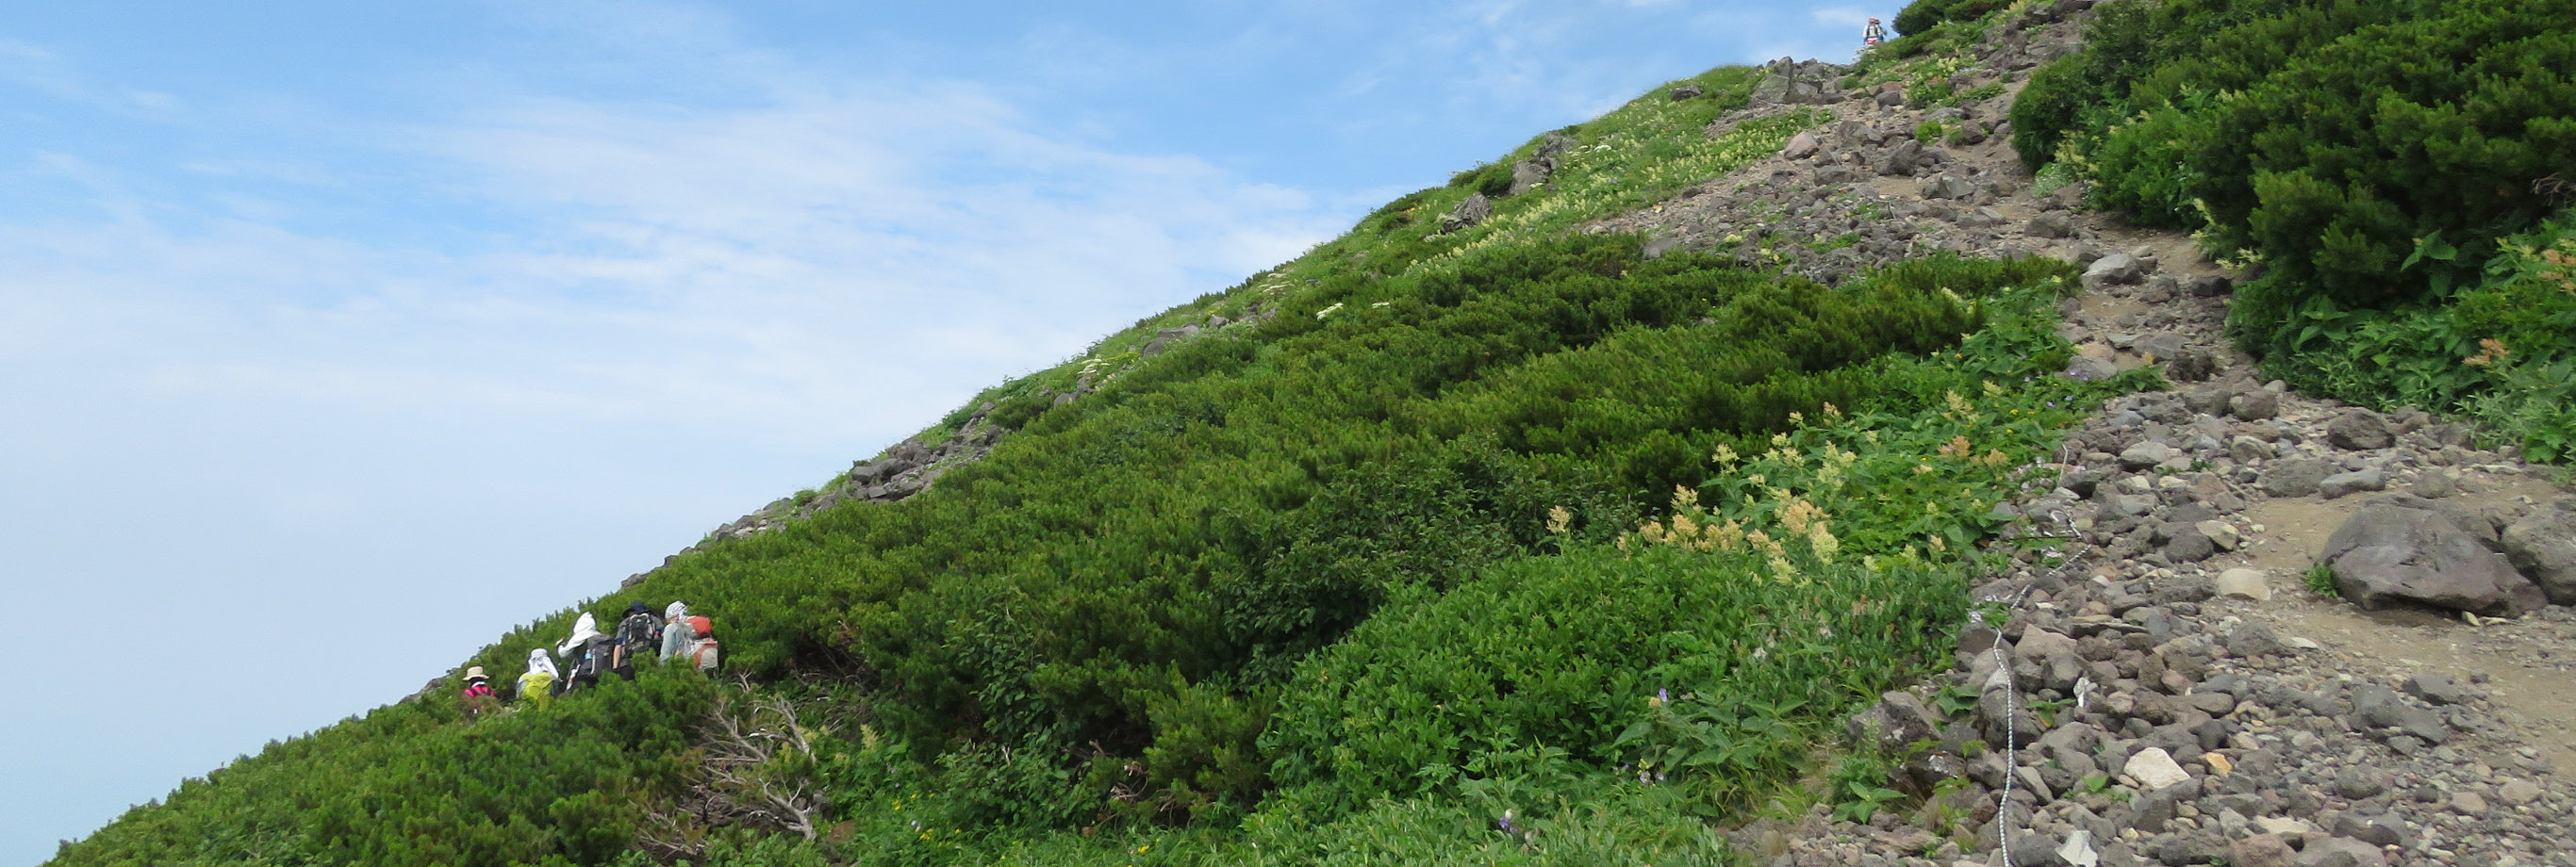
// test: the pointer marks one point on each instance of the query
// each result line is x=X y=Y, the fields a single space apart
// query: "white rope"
x=2012 y=722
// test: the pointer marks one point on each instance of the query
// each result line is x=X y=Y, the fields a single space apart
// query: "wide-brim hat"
x=474 y=672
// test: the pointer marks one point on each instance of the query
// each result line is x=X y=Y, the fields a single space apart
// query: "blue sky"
x=354 y=334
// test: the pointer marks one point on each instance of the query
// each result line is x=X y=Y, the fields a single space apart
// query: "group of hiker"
x=589 y=653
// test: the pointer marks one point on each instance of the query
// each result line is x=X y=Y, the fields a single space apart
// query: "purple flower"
x=1665 y=696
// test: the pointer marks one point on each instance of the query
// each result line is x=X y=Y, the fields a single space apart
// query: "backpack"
x=594 y=657
x=639 y=631
x=703 y=654
x=704 y=626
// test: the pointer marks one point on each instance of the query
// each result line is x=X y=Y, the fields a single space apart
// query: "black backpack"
x=641 y=633
x=594 y=658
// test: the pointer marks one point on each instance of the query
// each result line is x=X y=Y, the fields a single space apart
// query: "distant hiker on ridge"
x=478 y=692
x=1874 y=34
x=586 y=650
x=676 y=633
x=538 y=685
x=640 y=630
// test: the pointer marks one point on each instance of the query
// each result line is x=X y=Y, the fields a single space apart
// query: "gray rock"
x=1468 y=213
x=2167 y=346
x=2437 y=689
x=2517 y=793
x=1802 y=145
x=2189 y=545
x=2296 y=477
x=2341 y=852
x=2346 y=484
x=2050 y=226
x=2117 y=269
x=2374 y=830
x=2086 y=368
x=1901 y=158
x=2249 y=638
x=2391 y=552
x=1528 y=174
x=2374 y=706
x=1687 y=91
x=1948 y=187
x=2357 y=783
x=2256 y=405
x=2211 y=286
x=1896 y=722
x=2359 y=430
x=2145 y=455
x=2247 y=450
x=1554 y=143
x=2543 y=546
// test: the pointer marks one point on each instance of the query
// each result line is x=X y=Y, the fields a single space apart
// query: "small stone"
x=2341 y=852
x=2256 y=405
x=2359 y=430
x=2518 y=793
x=2286 y=826
x=2261 y=850
x=2293 y=478
x=2357 y=481
x=2469 y=804
x=2190 y=545
x=2436 y=688
x=2244 y=584
x=2218 y=763
x=2154 y=768
x=2078 y=851
x=2220 y=533
x=2145 y=455
x=2113 y=270
x=1801 y=146
x=2356 y=783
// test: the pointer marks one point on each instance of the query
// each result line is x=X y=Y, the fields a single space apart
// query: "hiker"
x=676 y=633
x=638 y=631
x=1874 y=34
x=587 y=651
x=690 y=636
x=538 y=685
x=478 y=692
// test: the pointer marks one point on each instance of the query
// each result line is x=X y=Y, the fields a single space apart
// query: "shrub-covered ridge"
x=1469 y=539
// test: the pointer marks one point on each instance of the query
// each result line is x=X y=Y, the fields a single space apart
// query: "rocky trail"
x=2167 y=689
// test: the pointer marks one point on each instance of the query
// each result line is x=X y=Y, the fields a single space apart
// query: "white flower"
x=1328 y=311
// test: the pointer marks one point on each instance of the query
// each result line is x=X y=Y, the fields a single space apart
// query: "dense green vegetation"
x=2392 y=165
x=1503 y=545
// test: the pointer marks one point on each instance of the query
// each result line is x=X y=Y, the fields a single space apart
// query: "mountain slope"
x=1484 y=532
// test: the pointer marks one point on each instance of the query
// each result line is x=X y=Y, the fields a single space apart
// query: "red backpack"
x=703 y=653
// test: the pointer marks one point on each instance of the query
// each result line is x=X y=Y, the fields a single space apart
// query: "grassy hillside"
x=1506 y=544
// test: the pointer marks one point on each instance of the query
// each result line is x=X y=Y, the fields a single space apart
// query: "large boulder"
x=1901 y=158
x=2359 y=430
x=1468 y=213
x=2543 y=546
x=1528 y=174
x=1898 y=721
x=2401 y=550
x=2117 y=269
x=1793 y=82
